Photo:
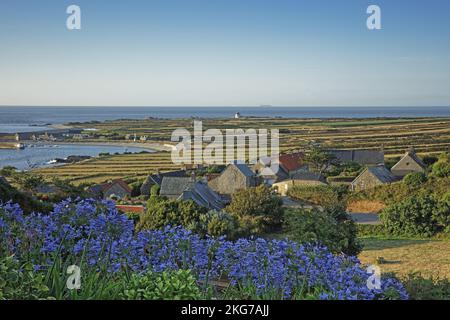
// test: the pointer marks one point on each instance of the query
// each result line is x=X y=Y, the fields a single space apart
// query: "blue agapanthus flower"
x=102 y=236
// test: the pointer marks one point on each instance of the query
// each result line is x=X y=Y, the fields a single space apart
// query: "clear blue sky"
x=225 y=52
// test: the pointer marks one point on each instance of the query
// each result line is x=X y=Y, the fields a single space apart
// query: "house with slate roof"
x=157 y=179
x=173 y=187
x=362 y=157
x=115 y=188
x=202 y=195
x=409 y=163
x=300 y=179
x=236 y=176
x=187 y=188
x=372 y=177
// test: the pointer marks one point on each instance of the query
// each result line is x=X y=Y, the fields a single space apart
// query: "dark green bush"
x=332 y=227
x=175 y=285
x=257 y=208
x=442 y=167
x=21 y=282
x=319 y=195
x=162 y=212
x=371 y=230
x=415 y=179
x=420 y=288
x=414 y=216
x=442 y=212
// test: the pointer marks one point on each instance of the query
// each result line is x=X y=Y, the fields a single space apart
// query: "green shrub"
x=415 y=179
x=257 y=208
x=219 y=224
x=371 y=230
x=442 y=212
x=332 y=227
x=420 y=288
x=21 y=282
x=414 y=216
x=161 y=213
x=442 y=167
x=8 y=171
x=397 y=192
x=175 y=285
x=319 y=195
x=154 y=190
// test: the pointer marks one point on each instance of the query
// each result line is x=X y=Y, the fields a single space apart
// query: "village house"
x=236 y=176
x=262 y=170
x=187 y=188
x=292 y=163
x=289 y=165
x=409 y=163
x=112 y=189
x=157 y=178
x=173 y=187
x=362 y=157
x=300 y=179
x=202 y=195
x=372 y=177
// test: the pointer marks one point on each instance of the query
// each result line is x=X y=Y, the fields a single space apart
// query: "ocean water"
x=23 y=119
x=39 y=156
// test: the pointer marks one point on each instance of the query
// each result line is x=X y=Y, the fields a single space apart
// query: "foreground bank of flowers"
x=92 y=234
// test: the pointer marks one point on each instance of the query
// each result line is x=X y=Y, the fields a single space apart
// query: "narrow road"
x=366 y=218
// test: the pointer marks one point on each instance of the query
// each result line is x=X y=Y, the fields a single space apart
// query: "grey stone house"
x=173 y=187
x=116 y=188
x=409 y=163
x=157 y=179
x=202 y=195
x=236 y=176
x=187 y=188
x=372 y=177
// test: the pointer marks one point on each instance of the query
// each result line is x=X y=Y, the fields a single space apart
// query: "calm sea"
x=19 y=119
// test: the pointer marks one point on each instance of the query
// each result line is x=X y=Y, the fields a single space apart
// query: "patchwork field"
x=427 y=135
x=110 y=167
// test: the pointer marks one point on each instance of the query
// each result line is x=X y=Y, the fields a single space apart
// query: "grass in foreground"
x=403 y=256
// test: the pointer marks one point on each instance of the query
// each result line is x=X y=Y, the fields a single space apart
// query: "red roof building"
x=292 y=162
x=130 y=208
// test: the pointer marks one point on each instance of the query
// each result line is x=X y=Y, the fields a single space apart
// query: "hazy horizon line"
x=221 y=106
